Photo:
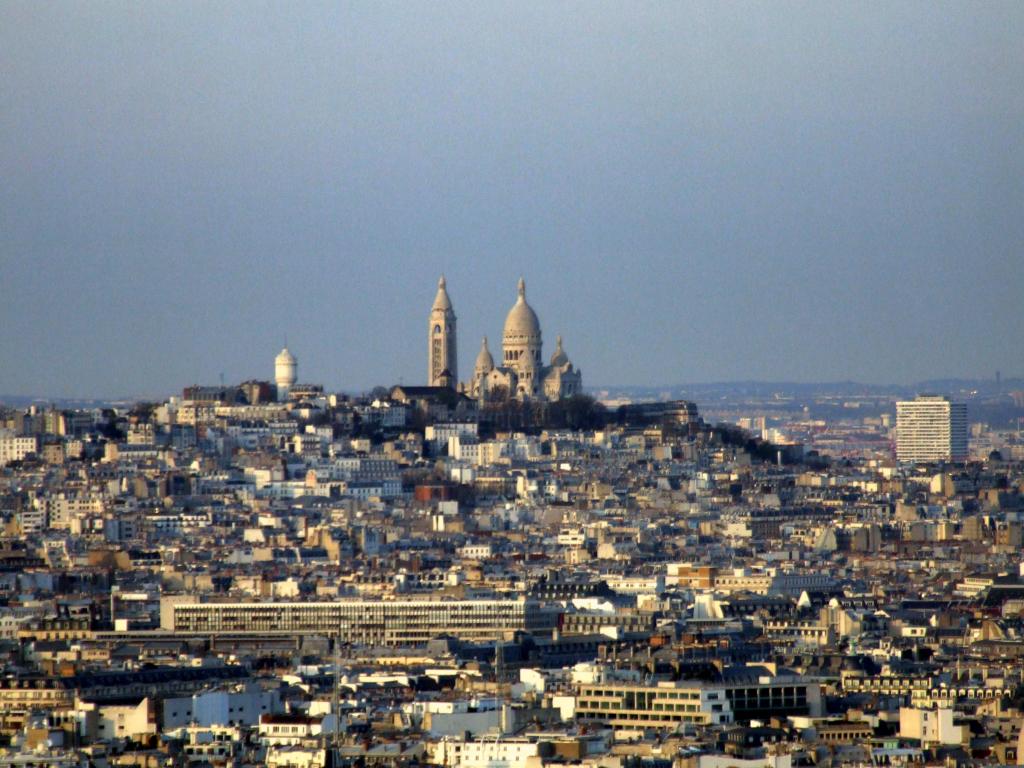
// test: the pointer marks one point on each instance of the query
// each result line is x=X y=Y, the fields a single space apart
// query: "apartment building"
x=735 y=698
x=665 y=705
x=14 y=448
x=931 y=428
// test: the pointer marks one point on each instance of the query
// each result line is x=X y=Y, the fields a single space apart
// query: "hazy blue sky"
x=693 y=192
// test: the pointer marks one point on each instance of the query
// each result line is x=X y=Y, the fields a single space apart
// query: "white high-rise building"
x=931 y=428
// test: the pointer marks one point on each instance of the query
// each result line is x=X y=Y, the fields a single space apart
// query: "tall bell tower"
x=442 y=352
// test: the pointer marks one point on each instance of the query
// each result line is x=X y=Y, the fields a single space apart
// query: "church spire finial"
x=522 y=288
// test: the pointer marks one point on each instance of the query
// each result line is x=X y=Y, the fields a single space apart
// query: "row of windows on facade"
x=512 y=355
x=646 y=697
x=659 y=707
x=676 y=718
x=384 y=623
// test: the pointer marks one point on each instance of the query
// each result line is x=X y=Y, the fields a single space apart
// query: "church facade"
x=521 y=371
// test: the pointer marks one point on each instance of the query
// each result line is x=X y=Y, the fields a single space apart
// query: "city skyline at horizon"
x=694 y=194
x=466 y=355
x=266 y=373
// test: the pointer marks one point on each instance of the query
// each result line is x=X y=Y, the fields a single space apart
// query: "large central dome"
x=522 y=320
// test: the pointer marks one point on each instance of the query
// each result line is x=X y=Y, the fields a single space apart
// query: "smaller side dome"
x=484 y=360
x=559 y=358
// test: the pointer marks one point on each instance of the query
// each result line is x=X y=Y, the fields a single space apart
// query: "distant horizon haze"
x=900 y=389
x=693 y=192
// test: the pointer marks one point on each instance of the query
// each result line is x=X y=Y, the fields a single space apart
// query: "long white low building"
x=363 y=622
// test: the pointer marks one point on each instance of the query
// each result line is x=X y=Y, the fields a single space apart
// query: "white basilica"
x=521 y=373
